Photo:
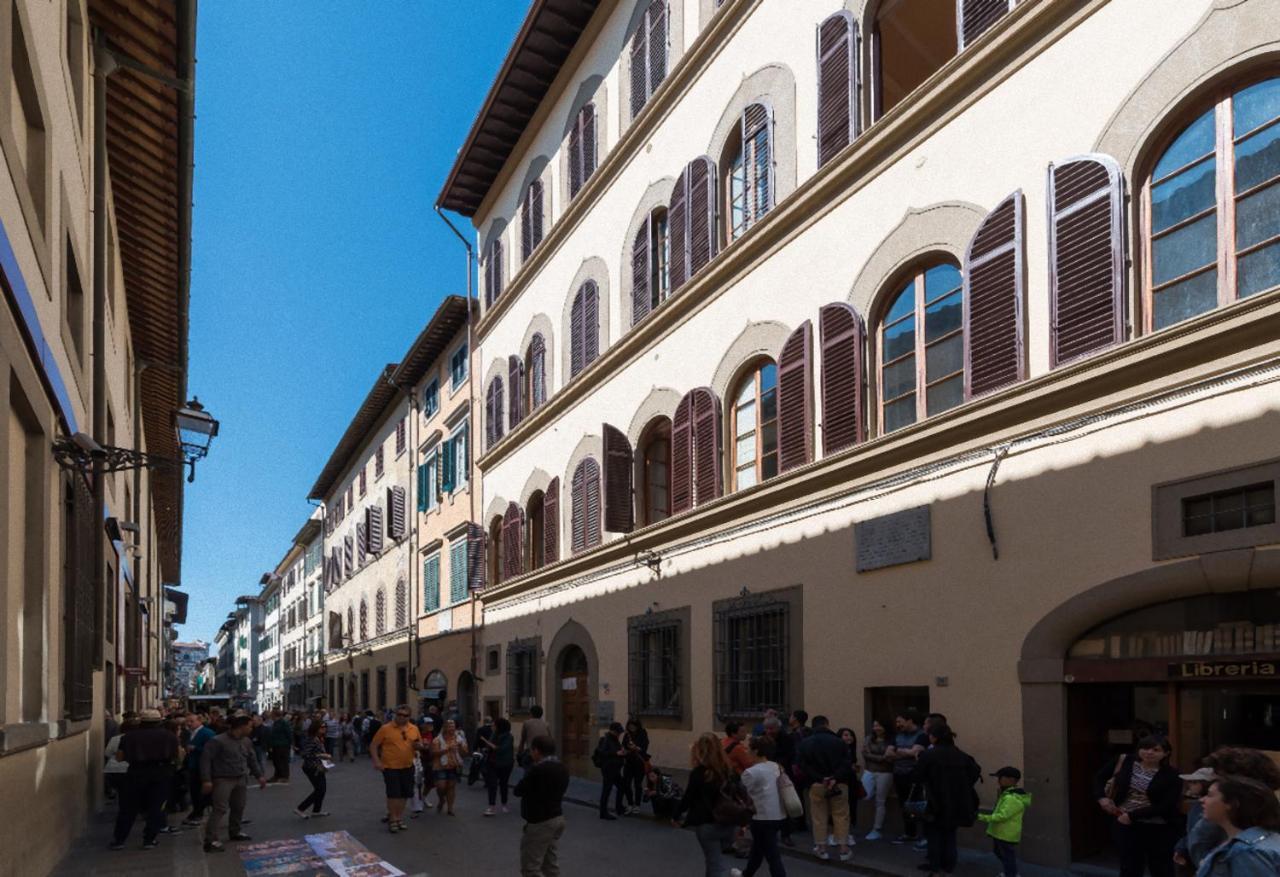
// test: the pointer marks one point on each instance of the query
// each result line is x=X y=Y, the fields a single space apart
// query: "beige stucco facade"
x=1069 y=460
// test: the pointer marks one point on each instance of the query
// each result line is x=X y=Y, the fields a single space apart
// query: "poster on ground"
x=347 y=857
x=292 y=857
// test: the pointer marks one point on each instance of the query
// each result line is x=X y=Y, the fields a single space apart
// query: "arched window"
x=921 y=346
x=495 y=549
x=380 y=613
x=364 y=619
x=754 y=425
x=493 y=413
x=351 y=625
x=655 y=462
x=535 y=531
x=648 y=55
x=650 y=264
x=585 y=505
x=584 y=328
x=582 y=148
x=518 y=406
x=493 y=272
x=747 y=170
x=535 y=370
x=512 y=537
x=531 y=211
x=909 y=42
x=1212 y=206
x=402 y=604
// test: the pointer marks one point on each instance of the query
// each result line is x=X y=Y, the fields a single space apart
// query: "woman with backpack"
x=712 y=803
x=947 y=776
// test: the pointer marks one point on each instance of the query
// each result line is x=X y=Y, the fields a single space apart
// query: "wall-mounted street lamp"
x=194 y=427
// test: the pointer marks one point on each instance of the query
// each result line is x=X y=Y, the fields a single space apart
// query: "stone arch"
x=588 y=446
x=943 y=228
x=592 y=268
x=675 y=50
x=756 y=339
x=538 y=169
x=538 y=480
x=591 y=90
x=571 y=635
x=661 y=402
x=541 y=324
x=497 y=369
x=773 y=85
x=657 y=195
x=495 y=508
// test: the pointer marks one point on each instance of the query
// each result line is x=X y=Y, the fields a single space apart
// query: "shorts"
x=399 y=781
x=445 y=776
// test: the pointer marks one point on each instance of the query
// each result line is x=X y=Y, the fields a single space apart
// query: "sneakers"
x=921 y=845
x=302 y=814
x=489 y=811
x=821 y=852
x=831 y=840
x=851 y=841
x=735 y=872
x=505 y=810
x=214 y=847
x=115 y=845
x=393 y=827
x=192 y=822
x=873 y=835
x=150 y=845
x=846 y=855
x=608 y=817
x=320 y=813
x=903 y=839
x=241 y=836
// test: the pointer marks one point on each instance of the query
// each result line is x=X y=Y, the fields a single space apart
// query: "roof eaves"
x=433 y=340
x=375 y=404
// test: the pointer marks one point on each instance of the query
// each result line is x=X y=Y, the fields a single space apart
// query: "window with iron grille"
x=522 y=674
x=653 y=662
x=753 y=657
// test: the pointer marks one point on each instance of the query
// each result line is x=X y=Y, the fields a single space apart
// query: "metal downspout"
x=99 y=380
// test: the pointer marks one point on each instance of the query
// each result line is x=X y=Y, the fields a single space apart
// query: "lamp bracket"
x=70 y=455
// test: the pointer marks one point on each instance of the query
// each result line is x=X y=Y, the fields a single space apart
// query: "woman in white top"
x=114 y=770
x=761 y=781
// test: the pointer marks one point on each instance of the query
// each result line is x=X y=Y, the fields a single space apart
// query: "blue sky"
x=324 y=131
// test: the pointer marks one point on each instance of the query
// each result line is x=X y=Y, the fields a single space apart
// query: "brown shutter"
x=348 y=556
x=578 y=509
x=844 y=341
x=678 y=233
x=373 y=528
x=591 y=498
x=493 y=272
x=839 y=115
x=993 y=300
x=702 y=235
x=708 y=479
x=512 y=529
x=515 y=380
x=590 y=323
x=493 y=412
x=535 y=199
x=526 y=225
x=575 y=156
x=551 y=522
x=396 y=504
x=795 y=399
x=975 y=17
x=362 y=543
x=619 y=468
x=537 y=371
x=756 y=118
x=576 y=317
x=639 y=69
x=475 y=557
x=588 y=138
x=1087 y=294
x=641 y=297
x=682 y=456
x=657 y=15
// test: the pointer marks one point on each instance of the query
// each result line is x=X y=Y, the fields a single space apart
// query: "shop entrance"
x=575 y=711
x=1202 y=672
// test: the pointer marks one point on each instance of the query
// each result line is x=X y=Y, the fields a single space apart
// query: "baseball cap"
x=1011 y=772
x=1202 y=775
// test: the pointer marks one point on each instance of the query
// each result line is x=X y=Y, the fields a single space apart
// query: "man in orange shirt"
x=393 y=749
x=735 y=746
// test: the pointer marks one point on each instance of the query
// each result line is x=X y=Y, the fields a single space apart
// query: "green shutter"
x=422 y=487
x=458 y=571
x=432 y=464
x=448 y=465
x=431 y=583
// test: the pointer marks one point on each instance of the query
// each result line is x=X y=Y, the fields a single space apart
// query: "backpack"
x=598 y=756
x=733 y=805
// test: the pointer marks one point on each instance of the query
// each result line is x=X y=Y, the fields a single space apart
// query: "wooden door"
x=576 y=738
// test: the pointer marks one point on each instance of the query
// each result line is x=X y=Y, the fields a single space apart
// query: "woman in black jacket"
x=710 y=772
x=1141 y=792
x=634 y=769
x=947 y=775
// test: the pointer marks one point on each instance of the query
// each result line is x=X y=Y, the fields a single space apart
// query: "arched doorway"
x=435 y=691
x=467 y=712
x=574 y=720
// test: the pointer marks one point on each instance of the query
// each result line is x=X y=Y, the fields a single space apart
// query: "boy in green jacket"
x=1004 y=823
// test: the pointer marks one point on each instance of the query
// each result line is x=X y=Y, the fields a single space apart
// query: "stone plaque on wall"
x=890 y=540
x=604 y=712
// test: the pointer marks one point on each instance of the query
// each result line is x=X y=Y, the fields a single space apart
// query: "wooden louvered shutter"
x=993 y=300
x=708 y=479
x=431 y=583
x=682 y=456
x=639 y=69
x=578 y=509
x=795 y=399
x=493 y=271
x=678 y=233
x=515 y=380
x=512 y=530
x=575 y=156
x=526 y=225
x=657 y=15
x=537 y=372
x=535 y=202
x=619 y=468
x=475 y=557
x=590 y=323
x=839 y=116
x=702 y=237
x=758 y=190
x=493 y=412
x=423 y=487
x=551 y=522
x=1087 y=292
x=641 y=297
x=975 y=17
x=373 y=528
x=362 y=543
x=844 y=341
x=591 y=502
x=576 y=318
x=396 y=502
x=587 y=119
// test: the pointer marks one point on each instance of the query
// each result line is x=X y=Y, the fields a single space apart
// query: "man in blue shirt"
x=200 y=734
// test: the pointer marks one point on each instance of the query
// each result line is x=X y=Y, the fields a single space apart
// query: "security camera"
x=85 y=442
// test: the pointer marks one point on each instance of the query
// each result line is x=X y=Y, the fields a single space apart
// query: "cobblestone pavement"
x=460 y=846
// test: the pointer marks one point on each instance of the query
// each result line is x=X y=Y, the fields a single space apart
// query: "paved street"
x=469 y=844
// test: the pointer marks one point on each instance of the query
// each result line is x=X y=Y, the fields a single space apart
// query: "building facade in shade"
x=311 y=679
x=301 y=615
x=93 y=334
x=447 y=549
x=224 y=673
x=269 y=690
x=862 y=356
x=365 y=490
x=188 y=661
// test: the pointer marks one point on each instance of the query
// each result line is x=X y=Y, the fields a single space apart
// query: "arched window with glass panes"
x=1211 y=207
x=754 y=425
x=921 y=348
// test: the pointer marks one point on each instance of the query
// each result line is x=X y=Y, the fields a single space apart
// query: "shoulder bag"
x=791 y=804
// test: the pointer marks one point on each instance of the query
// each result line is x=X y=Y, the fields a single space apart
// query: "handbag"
x=918 y=807
x=1109 y=790
x=868 y=784
x=733 y=805
x=790 y=798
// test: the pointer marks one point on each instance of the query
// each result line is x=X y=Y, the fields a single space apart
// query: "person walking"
x=736 y=748
x=824 y=760
x=347 y=748
x=610 y=755
x=878 y=779
x=761 y=780
x=199 y=734
x=480 y=752
x=784 y=756
x=1004 y=822
x=534 y=726
x=1141 y=792
x=907 y=745
x=498 y=763
x=392 y=749
x=541 y=793
x=635 y=764
x=260 y=737
x=280 y=744
x=225 y=762
x=708 y=778
x=332 y=734
x=1248 y=813
x=314 y=756
x=115 y=769
x=150 y=751
x=947 y=776
x=447 y=751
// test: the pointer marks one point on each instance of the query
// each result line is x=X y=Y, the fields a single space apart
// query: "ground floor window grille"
x=522 y=675
x=653 y=657
x=752 y=649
